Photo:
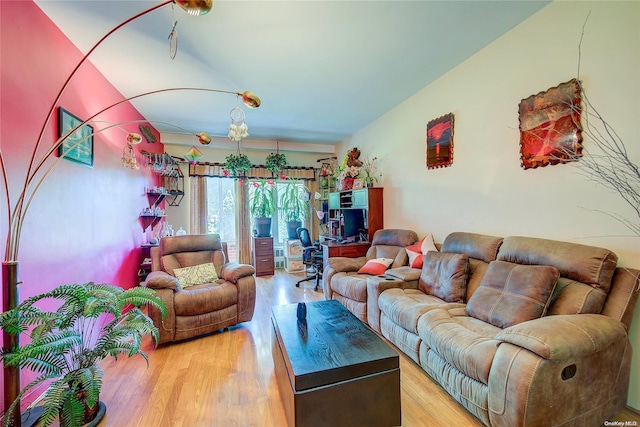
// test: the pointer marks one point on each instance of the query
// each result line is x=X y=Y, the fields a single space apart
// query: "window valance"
x=256 y=171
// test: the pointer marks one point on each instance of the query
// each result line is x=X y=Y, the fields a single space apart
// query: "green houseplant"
x=93 y=322
x=262 y=206
x=294 y=201
x=275 y=162
x=237 y=165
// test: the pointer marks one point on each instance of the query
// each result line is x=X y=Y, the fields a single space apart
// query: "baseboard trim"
x=634 y=410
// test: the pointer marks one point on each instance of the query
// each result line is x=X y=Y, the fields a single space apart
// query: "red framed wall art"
x=440 y=142
x=550 y=130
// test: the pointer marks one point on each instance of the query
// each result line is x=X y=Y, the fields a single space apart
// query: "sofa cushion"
x=512 y=293
x=466 y=343
x=376 y=266
x=445 y=276
x=405 y=306
x=478 y=246
x=350 y=285
x=571 y=297
x=203 y=299
x=390 y=243
x=417 y=251
x=196 y=274
x=587 y=264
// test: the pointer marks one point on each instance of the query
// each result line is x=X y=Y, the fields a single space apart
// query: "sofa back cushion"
x=481 y=250
x=187 y=251
x=391 y=243
x=478 y=246
x=586 y=271
x=445 y=275
x=511 y=293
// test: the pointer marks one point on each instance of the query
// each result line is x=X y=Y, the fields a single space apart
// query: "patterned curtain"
x=198 y=205
x=256 y=172
x=313 y=222
x=243 y=224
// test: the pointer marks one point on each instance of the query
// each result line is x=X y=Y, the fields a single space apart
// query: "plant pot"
x=92 y=416
x=292 y=229
x=263 y=227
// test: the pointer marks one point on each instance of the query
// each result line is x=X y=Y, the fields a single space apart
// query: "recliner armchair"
x=201 y=308
x=341 y=280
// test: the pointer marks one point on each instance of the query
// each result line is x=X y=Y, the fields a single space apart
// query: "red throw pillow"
x=376 y=266
x=418 y=250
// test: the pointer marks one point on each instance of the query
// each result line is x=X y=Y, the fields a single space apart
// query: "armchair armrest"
x=161 y=280
x=344 y=264
x=565 y=336
x=233 y=271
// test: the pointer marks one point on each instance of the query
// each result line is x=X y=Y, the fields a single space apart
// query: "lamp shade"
x=134 y=138
x=195 y=7
x=204 y=138
x=250 y=99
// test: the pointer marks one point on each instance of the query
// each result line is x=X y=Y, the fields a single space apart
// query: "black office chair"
x=311 y=257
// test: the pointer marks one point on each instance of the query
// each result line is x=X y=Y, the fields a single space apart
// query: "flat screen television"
x=353 y=223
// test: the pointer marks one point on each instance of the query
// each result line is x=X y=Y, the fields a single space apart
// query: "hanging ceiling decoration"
x=128 y=153
x=193 y=155
x=237 y=128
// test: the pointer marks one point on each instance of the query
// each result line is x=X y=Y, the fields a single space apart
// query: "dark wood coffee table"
x=332 y=370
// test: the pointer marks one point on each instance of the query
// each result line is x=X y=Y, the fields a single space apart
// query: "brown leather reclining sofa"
x=521 y=331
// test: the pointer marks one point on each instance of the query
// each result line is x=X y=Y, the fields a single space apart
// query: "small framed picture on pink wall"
x=440 y=142
x=77 y=144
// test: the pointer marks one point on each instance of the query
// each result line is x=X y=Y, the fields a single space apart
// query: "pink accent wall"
x=83 y=223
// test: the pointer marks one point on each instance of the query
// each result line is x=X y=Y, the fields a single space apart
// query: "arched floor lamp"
x=16 y=212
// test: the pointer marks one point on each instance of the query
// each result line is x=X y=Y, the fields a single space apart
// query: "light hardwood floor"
x=227 y=379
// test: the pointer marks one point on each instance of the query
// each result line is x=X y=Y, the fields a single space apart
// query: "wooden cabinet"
x=262 y=250
x=368 y=200
x=145 y=265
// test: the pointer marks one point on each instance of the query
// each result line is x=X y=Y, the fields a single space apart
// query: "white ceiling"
x=323 y=69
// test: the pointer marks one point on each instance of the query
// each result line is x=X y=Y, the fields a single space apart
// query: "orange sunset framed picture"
x=440 y=142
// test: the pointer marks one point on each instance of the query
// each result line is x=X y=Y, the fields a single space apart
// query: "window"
x=221 y=208
x=279 y=220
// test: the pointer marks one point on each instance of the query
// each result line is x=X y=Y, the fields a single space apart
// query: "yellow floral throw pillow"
x=196 y=275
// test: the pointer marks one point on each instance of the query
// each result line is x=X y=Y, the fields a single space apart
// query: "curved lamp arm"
x=193 y=7
x=16 y=219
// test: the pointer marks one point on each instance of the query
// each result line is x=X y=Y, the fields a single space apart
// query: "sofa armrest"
x=338 y=265
x=161 y=280
x=565 y=336
x=233 y=271
x=406 y=273
x=376 y=285
x=344 y=264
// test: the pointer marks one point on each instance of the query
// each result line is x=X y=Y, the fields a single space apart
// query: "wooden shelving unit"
x=370 y=200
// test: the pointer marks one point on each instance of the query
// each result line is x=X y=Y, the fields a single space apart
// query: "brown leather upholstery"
x=341 y=280
x=203 y=308
x=568 y=367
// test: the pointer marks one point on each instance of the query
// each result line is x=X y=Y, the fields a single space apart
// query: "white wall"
x=485 y=190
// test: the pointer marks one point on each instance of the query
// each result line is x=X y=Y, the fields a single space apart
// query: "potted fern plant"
x=262 y=206
x=295 y=203
x=67 y=344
